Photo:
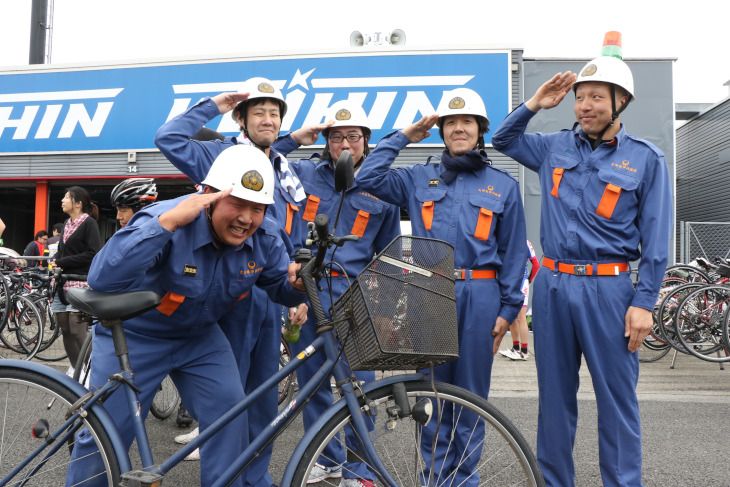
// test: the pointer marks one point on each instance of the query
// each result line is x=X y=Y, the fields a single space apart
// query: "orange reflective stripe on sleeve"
x=484 y=224
x=427 y=214
x=608 y=200
x=557 y=176
x=170 y=303
x=310 y=211
x=361 y=221
x=242 y=296
x=290 y=209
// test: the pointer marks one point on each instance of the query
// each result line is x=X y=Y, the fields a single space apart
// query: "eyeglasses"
x=337 y=138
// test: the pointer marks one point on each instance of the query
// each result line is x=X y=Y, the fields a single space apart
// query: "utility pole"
x=40 y=32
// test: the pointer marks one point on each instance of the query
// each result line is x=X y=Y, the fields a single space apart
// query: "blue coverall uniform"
x=376 y=223
x=254 y=328
x=182 y=337
x=579 y=314
x=480 y=213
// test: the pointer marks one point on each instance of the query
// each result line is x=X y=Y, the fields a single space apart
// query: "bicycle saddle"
x=111 y=306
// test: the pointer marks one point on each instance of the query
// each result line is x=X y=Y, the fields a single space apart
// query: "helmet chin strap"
x=599 y=138
x=209 y=216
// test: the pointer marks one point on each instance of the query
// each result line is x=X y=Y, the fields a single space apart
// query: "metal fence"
x=703 y=239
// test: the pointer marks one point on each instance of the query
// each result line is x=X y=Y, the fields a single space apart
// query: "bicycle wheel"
x=668 y=309
x=32 y=401
x=653 y=348
x=26 y=323
x=166 y=400
x=52 y=349
x=698 y=322
x=288 y=383
x=504 y=457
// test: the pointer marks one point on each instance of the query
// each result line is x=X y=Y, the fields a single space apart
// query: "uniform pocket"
x=428 y=198
x=488 y=209
x=616 y=184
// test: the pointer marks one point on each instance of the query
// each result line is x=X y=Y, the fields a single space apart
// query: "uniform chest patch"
x=433 y=183
x=190 y=270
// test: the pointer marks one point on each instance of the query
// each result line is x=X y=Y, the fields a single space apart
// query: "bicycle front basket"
x=400 y=313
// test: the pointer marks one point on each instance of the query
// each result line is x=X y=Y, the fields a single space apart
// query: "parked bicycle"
x=392 y=419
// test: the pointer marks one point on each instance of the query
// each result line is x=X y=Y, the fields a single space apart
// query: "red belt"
x=587 y=270
x=477 y=274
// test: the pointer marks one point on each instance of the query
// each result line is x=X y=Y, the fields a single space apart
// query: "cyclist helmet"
x=134 y=193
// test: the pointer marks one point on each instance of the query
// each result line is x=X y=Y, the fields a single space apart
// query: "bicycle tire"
x=166 y=400
x=688 y=273
x=83 y=363
x=31 y=397
x=506 y=458
x=52 y=349
x=4 y=300
x=288 y=383
x=27 y=324
x=698 y=322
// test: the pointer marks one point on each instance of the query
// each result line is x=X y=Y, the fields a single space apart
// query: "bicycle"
x=21 y=332
x=399 y=408
x=167 y=398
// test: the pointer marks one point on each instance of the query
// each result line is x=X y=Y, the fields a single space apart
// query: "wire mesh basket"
x=400 y=313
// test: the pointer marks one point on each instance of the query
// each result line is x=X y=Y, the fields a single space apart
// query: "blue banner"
x=121 y=108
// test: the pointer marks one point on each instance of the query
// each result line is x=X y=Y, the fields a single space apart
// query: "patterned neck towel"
x=287 y=179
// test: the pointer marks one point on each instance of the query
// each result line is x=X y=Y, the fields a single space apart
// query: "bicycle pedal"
x=140 y=478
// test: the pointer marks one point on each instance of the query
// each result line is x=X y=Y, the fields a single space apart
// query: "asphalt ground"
x=684 y=413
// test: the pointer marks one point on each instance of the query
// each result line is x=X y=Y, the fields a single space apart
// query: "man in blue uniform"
x=202 y=253
x=606 y=200
x=375 y=222
x=258 y=110
x=477 y=208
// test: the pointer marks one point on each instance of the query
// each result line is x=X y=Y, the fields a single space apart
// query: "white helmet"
x=461 y=101
x=347 y=114
x=260 y=88
x=608 y=69
x=245 y=169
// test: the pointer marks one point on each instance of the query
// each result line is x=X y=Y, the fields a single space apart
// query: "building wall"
x=703 y=179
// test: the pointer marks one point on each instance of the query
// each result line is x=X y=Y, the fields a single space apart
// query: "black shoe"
x=184 y=420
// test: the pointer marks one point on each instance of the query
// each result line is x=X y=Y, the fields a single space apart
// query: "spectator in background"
x=54 y=239
x=2 y=229
x=78 y=246
x=35 y=248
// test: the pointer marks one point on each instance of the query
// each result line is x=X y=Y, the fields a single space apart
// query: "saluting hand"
x=228 y=101
x=420 y=130
x=188 y=209
x=309 y=135
x=552 y=92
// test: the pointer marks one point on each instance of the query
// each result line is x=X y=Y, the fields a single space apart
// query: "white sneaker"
x=512 y=354
x=187 y=437
x=194 y=456
x=505 y=352
x=357 y=483
x=320 y=473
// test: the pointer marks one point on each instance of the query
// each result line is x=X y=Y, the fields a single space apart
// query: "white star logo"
x=300 y=79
